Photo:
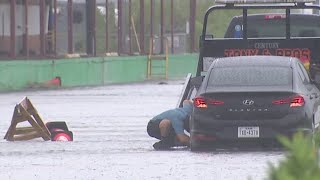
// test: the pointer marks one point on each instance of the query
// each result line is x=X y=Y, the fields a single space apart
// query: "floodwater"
x=110 y=139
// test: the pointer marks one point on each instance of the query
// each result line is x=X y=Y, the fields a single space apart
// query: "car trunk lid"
x=248 y=105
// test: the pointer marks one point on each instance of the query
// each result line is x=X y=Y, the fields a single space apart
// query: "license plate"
x=248 y=132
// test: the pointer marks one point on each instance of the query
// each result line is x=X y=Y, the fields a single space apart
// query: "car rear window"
x=250 y=76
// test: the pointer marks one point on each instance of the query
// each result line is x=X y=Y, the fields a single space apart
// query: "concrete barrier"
x=23 y=74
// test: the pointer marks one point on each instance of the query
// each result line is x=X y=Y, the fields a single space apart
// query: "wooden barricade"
x=25 y=111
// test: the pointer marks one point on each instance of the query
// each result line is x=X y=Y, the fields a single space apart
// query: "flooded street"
x=110 y=139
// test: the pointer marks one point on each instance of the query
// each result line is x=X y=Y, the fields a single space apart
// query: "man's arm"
x=187 y=101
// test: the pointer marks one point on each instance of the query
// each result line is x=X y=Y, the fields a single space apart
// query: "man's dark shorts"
x=154 y=130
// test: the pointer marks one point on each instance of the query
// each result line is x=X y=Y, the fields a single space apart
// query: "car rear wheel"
x=194 y=144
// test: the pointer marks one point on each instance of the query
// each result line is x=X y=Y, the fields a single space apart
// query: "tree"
x=302 y=160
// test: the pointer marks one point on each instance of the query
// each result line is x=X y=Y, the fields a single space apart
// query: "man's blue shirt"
x=177 y=117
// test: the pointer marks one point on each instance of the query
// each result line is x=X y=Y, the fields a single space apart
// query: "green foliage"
x=301 y=162
x=317 y=139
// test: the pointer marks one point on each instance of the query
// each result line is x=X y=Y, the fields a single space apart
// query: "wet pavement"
x=110 y=139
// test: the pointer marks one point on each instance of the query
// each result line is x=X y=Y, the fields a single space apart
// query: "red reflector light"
x=200 y=102
x=215 y=102
x=273 y=16
x=61 y=137
x=296 y=101
x=281 y=101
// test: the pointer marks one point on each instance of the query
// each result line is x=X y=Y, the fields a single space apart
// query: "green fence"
x=21 y=74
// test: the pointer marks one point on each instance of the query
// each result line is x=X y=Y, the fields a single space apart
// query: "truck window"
x=305 y=28
x=268 y=26
x=274 y=26
x=219 y=21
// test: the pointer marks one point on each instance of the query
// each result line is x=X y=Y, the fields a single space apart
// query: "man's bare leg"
x=166 y=142
x=165 y=126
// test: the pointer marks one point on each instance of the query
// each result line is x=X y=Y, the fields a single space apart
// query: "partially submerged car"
x=298 y=36
x=249 y=100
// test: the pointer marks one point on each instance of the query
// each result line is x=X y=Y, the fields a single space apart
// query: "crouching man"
x=169 y=127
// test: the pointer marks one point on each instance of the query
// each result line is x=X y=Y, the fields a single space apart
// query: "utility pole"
x=193 y=4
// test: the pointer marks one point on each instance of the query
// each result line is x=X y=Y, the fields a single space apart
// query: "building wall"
x=33 y=27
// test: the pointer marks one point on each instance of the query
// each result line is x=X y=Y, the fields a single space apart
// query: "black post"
x=130 y=27
x=151 y=26
x=172 y=29
x=142 y=26
x=161 y=26
x=107 y=27
x=42 y=6
x=13 y=29
x=120 y=29
x=90 y=7
x=26 y=32
x=70 y=26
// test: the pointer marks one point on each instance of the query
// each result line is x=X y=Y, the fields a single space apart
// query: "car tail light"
x=274 y=16
x=215 y=102
x=295 y=101
x=281 y=101
x=201 y=102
